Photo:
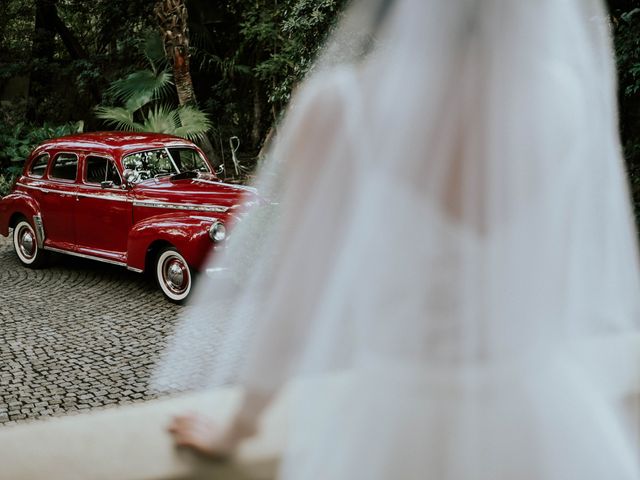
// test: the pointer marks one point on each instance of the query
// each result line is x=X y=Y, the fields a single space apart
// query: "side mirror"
x=106 y=184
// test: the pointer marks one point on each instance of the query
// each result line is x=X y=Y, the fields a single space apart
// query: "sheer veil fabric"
x=449 y=222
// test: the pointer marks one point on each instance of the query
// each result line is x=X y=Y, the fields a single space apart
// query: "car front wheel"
x=173 y=274
x=25 y=244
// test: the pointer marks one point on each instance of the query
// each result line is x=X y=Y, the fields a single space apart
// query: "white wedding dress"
x=452 y=224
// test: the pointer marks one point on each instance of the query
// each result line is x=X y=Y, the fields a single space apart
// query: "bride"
x=450 y=224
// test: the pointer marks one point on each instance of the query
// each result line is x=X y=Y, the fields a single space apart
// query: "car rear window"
x=39 y=165
x=65 y=167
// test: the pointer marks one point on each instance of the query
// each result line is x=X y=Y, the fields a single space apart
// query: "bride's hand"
x=206 y=437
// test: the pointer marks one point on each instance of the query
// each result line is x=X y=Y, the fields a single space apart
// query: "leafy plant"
x=144 y=107
x=627 y=44
x=17 y=142
x=5 y=185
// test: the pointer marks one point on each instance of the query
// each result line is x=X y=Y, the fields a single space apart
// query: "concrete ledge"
x=131 y=443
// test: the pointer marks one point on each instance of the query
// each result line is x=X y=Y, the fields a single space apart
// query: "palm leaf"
x=161 y=119
x=120 y=118
x=153 y=49
x=194 y=123
x=138 y=100
x=141 y=87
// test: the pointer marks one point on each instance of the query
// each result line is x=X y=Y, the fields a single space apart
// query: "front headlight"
x=218 y=232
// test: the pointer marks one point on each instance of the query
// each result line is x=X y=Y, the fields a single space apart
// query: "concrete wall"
x=131 y=443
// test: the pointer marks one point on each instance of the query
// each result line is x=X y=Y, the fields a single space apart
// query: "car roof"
x=124 y=142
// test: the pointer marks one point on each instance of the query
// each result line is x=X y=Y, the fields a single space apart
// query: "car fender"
x=189 y=233
x=16 y=203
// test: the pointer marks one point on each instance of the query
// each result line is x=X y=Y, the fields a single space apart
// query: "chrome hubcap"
x=176 y=275
x=27 y=243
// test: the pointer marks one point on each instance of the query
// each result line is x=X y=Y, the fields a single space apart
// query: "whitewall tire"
x=25 y=244
x=173 y=275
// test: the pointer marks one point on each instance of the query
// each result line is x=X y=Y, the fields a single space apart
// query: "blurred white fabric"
x=450 y=219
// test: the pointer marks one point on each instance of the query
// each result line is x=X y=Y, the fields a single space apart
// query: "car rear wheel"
x=173 y=275
x=25 y=244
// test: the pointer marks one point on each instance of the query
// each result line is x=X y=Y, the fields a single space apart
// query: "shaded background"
x=58 y=59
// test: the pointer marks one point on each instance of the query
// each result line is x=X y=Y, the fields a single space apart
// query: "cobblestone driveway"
x=76 y=335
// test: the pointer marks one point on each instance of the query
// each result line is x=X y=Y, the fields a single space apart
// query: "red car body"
x=114 y=220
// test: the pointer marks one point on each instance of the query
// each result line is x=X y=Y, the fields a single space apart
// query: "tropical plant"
x=626 y=23
x=17 y=142
x=144 y=98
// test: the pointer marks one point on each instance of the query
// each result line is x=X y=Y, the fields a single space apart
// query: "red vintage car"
x=148 y=202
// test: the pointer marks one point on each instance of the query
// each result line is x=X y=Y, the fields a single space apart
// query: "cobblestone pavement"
x=76 y=335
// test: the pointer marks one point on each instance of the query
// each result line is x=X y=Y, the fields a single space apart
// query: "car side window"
x=65 y=167
x=100 y=169
x=39 y=166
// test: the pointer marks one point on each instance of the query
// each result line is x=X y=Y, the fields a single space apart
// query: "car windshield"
x=164 y=161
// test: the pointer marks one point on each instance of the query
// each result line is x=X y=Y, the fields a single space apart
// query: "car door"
x=103 y=210
x=58 y=201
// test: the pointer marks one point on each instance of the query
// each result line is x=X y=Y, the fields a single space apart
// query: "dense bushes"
x=59 y=57
x=245 y=57
x=627 y=42
x=17 y=141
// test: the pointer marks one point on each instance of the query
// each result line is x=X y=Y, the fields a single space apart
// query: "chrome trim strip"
x=46 y=190
x=137 y=270
x=115 y=198
x=239 y=187
x=139 y=203
x=84 y=255
x=180 y=206
x=42 y=189
x=37 y=221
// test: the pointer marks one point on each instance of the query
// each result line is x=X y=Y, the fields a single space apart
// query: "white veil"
x=450 y=223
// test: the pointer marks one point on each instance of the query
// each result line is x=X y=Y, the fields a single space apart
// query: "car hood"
x=195 y=192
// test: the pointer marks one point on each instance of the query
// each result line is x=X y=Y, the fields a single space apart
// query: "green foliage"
x=285 y=37
x=247 y=57
x=144 y=94
x=627 y=43
x=5 y=184
x=141 y=87
x=120 y=118
x=193 y=122
x=17 y=142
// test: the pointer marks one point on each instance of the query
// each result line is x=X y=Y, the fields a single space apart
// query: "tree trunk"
x=182 y=78
x=42 y=52
x=47 y=24
x=256 y=130
x=71 y=43
x=172 y=18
